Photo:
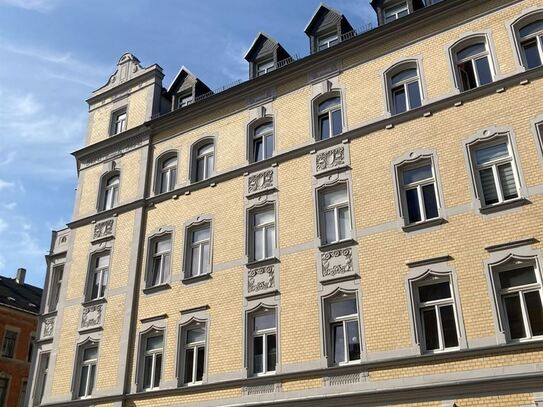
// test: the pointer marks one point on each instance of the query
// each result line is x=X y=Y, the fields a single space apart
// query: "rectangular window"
x=159 y=272
x=473 y=64
x=419 y=192
x=265 y=67
x=263 y=142
x=264 y=342
x=22 y=395
x=41 y=378
x=3 y=391
x=395 y=12
x=496 y=172
x=327 y=41
x=152 y=361
x=194 y=354
x=437 y=315
x=10 y=342
x=87 y=371
x=183 y=101
x=99 y=276
x=343 y=330
x=334 y=215
x=199 y=251
x=55 y=286
x=263 y=233
x=119 y=122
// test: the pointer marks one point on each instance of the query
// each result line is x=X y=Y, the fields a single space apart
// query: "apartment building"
x=361 y=226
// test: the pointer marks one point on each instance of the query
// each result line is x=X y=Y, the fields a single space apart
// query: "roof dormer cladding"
x=264 y=48
x=381 y=5
x=326 y=20
x=184 y=84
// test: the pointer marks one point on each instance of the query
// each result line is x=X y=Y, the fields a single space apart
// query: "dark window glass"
x=517 y=277
x=414 y=95
x=489 y=186
x=483 y=69
x=269 y=146
x=535 y=312
x=83 y=381
x=404 y=75
x=531 y=28
x=343 y=308
x=514 y=316
x=337 y=127
x=258 y=151
x=324 y=127
x=431 y=335
x=200 y=364
x=430 y=201
x=189 y=361
x=339 y=343
x=258 y=350
x=434 y=292
x=353 y=340
x=507 y=181
x=448 y=322
x=147 y=369
x=400 y=104
x=158 y=370
x=272 y=352
x=531 y=53
x=467 y=75
x=413 y=208
x=10 y=339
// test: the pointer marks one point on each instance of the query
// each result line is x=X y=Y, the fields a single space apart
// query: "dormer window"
x=184 y=100
x=395 y=12
x=265 y=67
x=327 y=41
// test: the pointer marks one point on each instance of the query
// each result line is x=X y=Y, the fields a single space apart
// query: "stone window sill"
x=195 y=279
x=96 y=301
x=423 y=225
x=502 y=206
x=337 y=245
x=260 y=263
x=156 y=288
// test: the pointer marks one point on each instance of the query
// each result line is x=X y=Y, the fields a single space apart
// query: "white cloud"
x=3 y=225
x=10 y=206
x=35 y=5
x=8 y=158
x=5 y=184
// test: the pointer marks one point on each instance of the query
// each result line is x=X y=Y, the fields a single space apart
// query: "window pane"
x=343 y=308
x=337 y=127
x=104 y=283
x=91 y=378
x=209 y=163
x=154 y=343
x=95 y=285
x=259 y=244
x=102 y=261
x=263 y=217
x=514 y=317
x=431 y=336
x=264 y=321
x=189 y=364
x=489 y=186
x=507 y=181
x=483 y=70
x=353 y=340
x=272 y=352
x=166 y=268
x=90 y=354
x=196 y=335
x=155 y=274
x=467 y=75
x=535 y=312
x=488 y=154
x=158 y=370
x=258 y=357
x=270 y=242
x=324 y=127
x=338 y=343
x=531 y=53
x=417 y=174
x=344 y=223
x=200 y=234
x=430 y=201
x=448 y=323
x=330 y=226
x=413 y=207
x=517 y=277
x=207 y=149
x=265 y=128
x=205 y=259
x=404 y=75
x=415 y=99
x=531 y=28
x=148 y=366
x=434 y=292
x=195 y=261
x=257 y=150
x=472 y=50
x=268 y=140
x=335 y=197
x=328 y=104
x=163 y=246
x=199 y=169
x=83 y=381
x=400 y=104
x=200 y=362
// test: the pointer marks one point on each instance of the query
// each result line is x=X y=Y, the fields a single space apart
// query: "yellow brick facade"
x=392 y=363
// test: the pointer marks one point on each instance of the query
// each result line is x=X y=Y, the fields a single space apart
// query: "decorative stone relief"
x=48 y=327
x=103 y=229
x=261 y=279
x=261 y=181
x=342 y=380
x=92 y=316
x=337 y=262
x=117 y=149
x=330 y=159
x=261 y=389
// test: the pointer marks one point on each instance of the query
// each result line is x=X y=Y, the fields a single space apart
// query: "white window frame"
x=153 y=353
x=335 y=209
x=195 y=346
x=81 y=363
x=343 y=320
x=184 y=100
x=437 y=304
x=41 y=377
x=119 y=122
x=264 y=333
x=328 y=114
x=264 y=227
x=54 y=287
x=200 y=245
x=100 y=271
x=264 y=67
x=472 y=59
x=537 y=37
x=153 y=255
x=204 y=158
x=110 y=192
x=167 y=173
x=404 y=85
x=262 y=137
x=393 y=12
x=327 y=40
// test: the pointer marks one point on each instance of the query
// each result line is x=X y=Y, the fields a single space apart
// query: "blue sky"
x=53 y=53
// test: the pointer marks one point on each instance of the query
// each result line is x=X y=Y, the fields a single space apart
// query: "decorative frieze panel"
x=344 y=380
x=336 y=264
x=262 y=181
x=261 y=280
x=118 y=149
x=92 y=316
x=331 y=159
x=103 y=229
x=261 y=389
x=48 y=327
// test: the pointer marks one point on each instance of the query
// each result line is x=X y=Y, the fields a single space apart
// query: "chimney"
x=21 y=274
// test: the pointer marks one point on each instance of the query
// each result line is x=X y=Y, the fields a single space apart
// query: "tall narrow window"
x=22 y=395
x=167 y=174
x=263 y=233
x=152 y=360
x=395 y=12
x=436 y=315
x=159 y=267
x=264 y=342
x=343 y=330
x=405 y=90
x=110 y=192
x=41 y=378
x=119 y=122
x=329 y=119
x=497 y=177
x=204 y=162
x=327 y=40
x=54 y=287
x=263 y=142
x=199 y=252
x=519 y=288
x=99 y=276
x=264 y=67
x=10 y=342
x=31 y=348
x=473 y=66
x=335 y=217
x=4 y=383
x=194 y=353
x=419 y=192
x=87 y=371
x=531 y=42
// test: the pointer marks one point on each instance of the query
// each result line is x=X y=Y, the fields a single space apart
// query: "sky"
x=54 y=53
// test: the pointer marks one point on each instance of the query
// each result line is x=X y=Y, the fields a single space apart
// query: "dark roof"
x=24 y=297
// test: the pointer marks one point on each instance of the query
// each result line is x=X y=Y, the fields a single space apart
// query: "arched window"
x=110 y=192
x=262 y=141
x=530 y=36
x=204 y=161
x=405 y=92
x=87 y=360
x=472 y=63
x=329 y=117
x=166 y=173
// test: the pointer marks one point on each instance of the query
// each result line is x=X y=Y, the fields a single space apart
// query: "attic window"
x=184 y=100
x=327 y=41
x=265 y=67
x=395 y=12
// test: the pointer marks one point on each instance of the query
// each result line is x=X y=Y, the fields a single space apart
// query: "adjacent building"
x=19 y=310
x=360 y=226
